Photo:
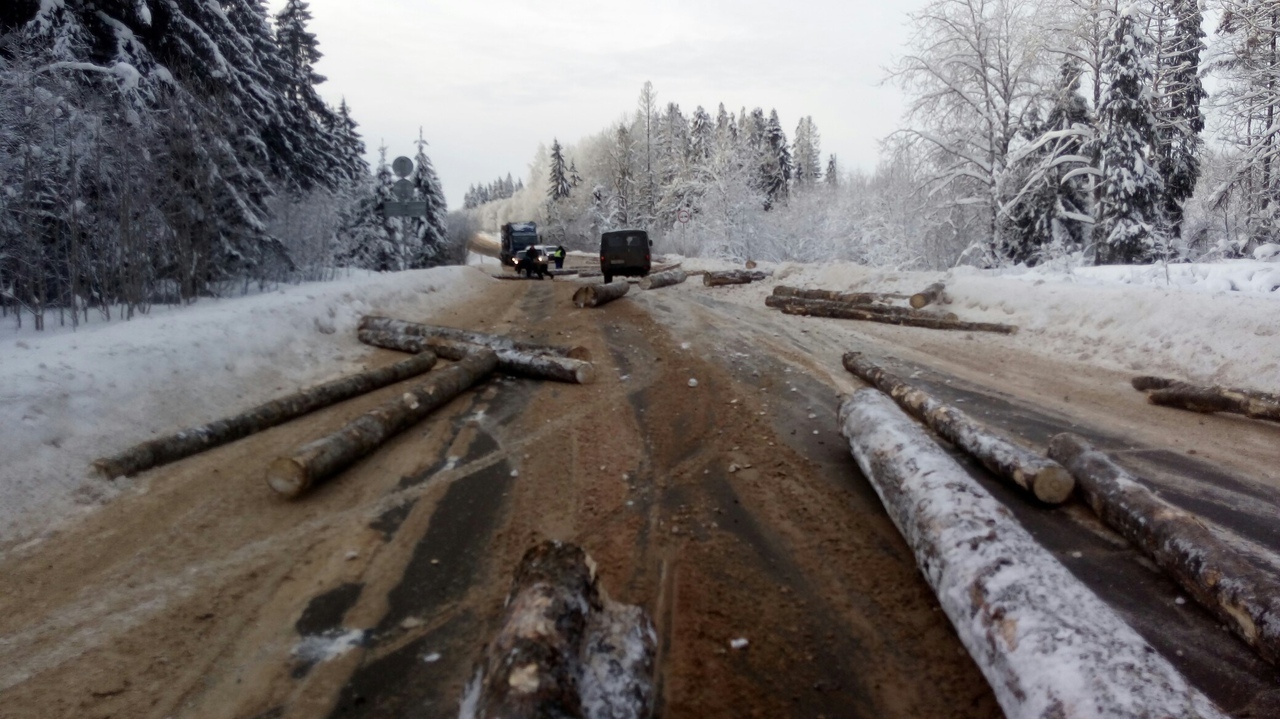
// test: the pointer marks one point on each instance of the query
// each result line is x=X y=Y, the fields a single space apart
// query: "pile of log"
x=663 y=279
x=533 y=365
x=1197 y=398
x=565 y=649
x=599 y=294
x=733 y=277
x=876 y=307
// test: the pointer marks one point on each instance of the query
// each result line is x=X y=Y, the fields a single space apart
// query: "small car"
x=531 y=261
x=625 y=253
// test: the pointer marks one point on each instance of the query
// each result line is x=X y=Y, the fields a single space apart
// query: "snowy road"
x=730 y=509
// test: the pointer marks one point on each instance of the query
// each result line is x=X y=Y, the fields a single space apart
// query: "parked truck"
x=516 y=236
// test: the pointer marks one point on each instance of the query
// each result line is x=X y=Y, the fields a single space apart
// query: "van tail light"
x=602 y=258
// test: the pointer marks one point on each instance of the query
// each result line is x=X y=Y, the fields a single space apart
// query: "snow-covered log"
x=837 y=310
x=599 y=294
x=565 y=649
x=1049 y=647
x=317 y=461
x=1197 y=398
x=1043 y=478
x=733 y=277
x=800 y=306
x=513 y=362
x=851 y=298
x=1233 y=590
x=494 y=342
x=174 y=447
x=663 y=279
x=929 y=295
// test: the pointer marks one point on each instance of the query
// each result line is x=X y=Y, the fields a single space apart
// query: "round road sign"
x=402 y=166
x=683 y=215
x=403 y=189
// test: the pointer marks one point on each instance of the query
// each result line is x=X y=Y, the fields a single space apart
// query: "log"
x=171 y=448
x=512 y=362
x=750 y=264
x=663 y=279
x=805 y=307
x=1197 y=398
x=1048 y=647
x=563 y=271
x=927 y=296
x=1043 y=478
x=599 y=294
x=1179 y=542
x=852 y=298
x=564 y=649
x=835 y=310
x=494 y=342
x=1142 y=384
x=317 y=461
x=733 y=277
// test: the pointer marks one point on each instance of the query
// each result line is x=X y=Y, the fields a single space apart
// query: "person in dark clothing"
x=559 y=257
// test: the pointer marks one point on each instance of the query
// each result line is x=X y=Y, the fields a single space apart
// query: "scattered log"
x=1043 y=478
x=599 y=294
x=750 y=264
x=805 y=307
x=563 y=271
x=510 y=277
x=663 y=279
x=664 y=268
x=494 y=342
x=589 y=273
x=836 y=310
x=513 y=362
x=1197 y=398
x=1047 y=645
x=852 y=298
x=927 y=296
x=1244 y=599
x=174 y=447
x=317 y=461
x=733 y=277
x=565 y=649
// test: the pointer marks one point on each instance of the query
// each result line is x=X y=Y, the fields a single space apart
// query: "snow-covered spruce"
x=317 y=461
x=1047 y=645
x=1179 y=542
x=599 y=294
x=174 y=447
x=494 y=342
x=513 y=362
x=663 y=279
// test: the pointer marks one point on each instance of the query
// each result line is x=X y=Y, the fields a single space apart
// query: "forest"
x=1071 y=131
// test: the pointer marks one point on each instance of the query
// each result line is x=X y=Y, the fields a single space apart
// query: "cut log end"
x=586 y=374
x=1053 y=485
x=287 y=478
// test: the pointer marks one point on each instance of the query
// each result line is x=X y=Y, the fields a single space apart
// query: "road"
x=730 y=509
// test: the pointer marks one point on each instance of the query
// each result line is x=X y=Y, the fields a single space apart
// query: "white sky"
x=488 y=80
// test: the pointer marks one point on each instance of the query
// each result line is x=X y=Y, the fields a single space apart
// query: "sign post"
x=403 y=190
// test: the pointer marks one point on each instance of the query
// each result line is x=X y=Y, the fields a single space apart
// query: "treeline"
x=159 y=152
x=500 y=189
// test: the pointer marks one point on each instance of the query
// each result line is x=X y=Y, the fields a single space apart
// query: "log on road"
x=1244 y=599
x=836 y=310
x=512 y=362
x=317 y=461
x=1048 y=646
x=599 y=294
x=851 y=298
x=1197 y=398
x=805 y=307
x=1043 y=478
x=665 y=278
x=733 y=277
x=174 y=447
x=929 y=295
x=564 y=648
x=494 y=342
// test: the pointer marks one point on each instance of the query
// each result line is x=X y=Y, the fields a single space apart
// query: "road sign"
x=683 y=216
x=402 y=166
x=405 y=209
x=403 y=189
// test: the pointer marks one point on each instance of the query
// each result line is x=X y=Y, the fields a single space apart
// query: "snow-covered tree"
x=808 y=154
x=559 y=185
x=431 y=231
x=1179 y=119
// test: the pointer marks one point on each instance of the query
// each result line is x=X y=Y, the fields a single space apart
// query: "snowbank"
x=67 y=398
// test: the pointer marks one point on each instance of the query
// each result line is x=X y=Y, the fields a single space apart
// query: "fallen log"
x=563 y=271
x=589 y=273
x=565 y=649
x=1197 y=398
x=927 y=296
x=1043 y=478
x=513 y=362
x=599 y=294
x=1048 y=647
x=174 y=447
x=733 y=277
x=663 y=279
x=805 y=307
x=1178 y=541
x=852 y=298
x=317 y=461
x=494 y=342
x=835 y=310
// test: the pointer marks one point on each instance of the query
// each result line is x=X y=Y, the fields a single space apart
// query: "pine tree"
x=776 y=166
x=701 y=136
x=431 y=231
x=1178 y=117
x=808 y=168
x=832 y=175
x=575 y=179
x=559 y=186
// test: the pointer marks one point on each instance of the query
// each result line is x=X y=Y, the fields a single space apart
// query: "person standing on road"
x=559 y=256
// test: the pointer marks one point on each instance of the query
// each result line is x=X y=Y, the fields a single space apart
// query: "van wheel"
x=608 y=278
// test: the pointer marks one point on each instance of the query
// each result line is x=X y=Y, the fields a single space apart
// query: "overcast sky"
x=488 y=80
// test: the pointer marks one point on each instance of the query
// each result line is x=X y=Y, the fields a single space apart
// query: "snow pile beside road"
x=1246 y=276
x=68 y=398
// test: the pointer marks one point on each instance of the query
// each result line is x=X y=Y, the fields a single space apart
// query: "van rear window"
x=618 y=242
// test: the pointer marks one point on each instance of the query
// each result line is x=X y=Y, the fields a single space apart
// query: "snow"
x=330 y=645
x=68 y=397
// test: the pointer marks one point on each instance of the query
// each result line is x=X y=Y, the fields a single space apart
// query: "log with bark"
x=663 y=279
x=563 y=271
x=1047 y=645
x=929 y=295
x=512 y=362
x=837 y=310
x=317 y=461
x=565 y=649
x=174 y=447
x=1179 y=542
x=495 y=342
x=733 y=277
x=1043 y=478
x=1197 y=398
x=599 y=294
x=798 y=306
x=852 y=298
